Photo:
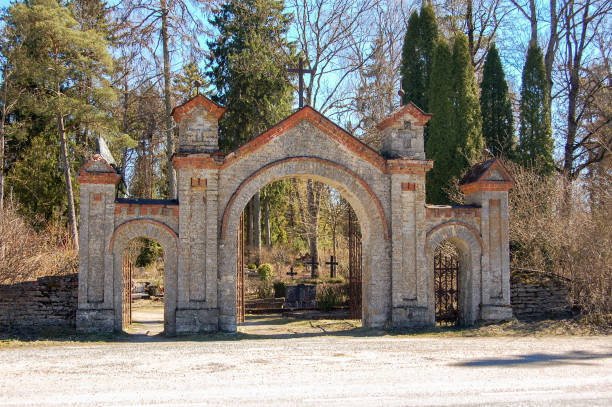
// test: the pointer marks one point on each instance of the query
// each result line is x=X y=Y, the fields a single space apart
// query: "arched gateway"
x=387 y=192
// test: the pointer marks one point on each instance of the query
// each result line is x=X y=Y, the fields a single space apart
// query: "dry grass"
x=26 y=254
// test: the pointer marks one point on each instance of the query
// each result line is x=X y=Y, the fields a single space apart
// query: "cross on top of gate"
x=291 y=272
x=301 y=71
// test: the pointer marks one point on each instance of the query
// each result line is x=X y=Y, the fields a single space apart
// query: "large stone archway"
x=386 y=190
x=376 y=275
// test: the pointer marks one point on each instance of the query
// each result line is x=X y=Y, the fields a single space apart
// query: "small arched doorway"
x=453 y=256
x=167 y=241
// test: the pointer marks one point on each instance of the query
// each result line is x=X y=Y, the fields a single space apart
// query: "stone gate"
x=386 y=190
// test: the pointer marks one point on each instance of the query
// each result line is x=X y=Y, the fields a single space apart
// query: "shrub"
x=252 y=266
x=265 y=272
x=330 y=297
x=280 y=289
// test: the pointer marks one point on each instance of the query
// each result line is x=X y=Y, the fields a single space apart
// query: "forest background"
x=530 y=80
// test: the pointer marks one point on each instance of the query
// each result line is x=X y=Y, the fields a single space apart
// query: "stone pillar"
x=98 y=181
x=487 y=186
x=408 y=232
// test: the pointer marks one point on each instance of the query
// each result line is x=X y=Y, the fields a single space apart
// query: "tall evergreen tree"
x=417 y=56
x=455 y=131
x=249 y=60
x=497 y=120
x=65 y=67
x=468 y=120
x=535 y=137
x=439 y=145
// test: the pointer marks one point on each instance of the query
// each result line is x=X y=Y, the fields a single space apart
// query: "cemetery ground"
x=277 y=361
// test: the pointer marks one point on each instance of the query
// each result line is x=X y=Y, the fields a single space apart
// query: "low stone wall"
x=49 y=302
x=536 y=295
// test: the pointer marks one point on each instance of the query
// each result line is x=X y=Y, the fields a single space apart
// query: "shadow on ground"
x=259 y=327
x=538 y=359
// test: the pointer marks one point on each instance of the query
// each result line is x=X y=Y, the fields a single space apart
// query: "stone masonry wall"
x=535 y=296
x=49 y=302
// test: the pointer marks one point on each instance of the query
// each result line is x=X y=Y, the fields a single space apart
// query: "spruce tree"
x=535 y=137
x=455 y=136
x=249 y=60
x=468 y=120
x=417 y=56
x=497 y=120
x=439 y=146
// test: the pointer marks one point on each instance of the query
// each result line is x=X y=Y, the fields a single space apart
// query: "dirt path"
x=295 y=363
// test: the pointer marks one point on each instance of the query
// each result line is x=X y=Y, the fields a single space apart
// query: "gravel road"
x=313 y=371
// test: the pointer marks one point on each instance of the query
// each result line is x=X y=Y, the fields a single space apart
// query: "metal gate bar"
x=445 y=288
x=240 y=304
x=126 y=308
x=355 y=266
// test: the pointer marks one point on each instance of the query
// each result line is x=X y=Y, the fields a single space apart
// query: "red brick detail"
x=452 y=212
x=130 y=210
x=456 y=223
x=321 y=122
x=143 y=210
x=181 y=111
x=99 y=178
x=486 y=186
x=198 y=183
x=494 y=202
x=411 y=109
x=408 y=186
x=117 y=210
x=136 y=221
x=154 y=211
x=200 y=161
x=326 y=162
x=175 y=212
x=97 y=196
x=405 y=166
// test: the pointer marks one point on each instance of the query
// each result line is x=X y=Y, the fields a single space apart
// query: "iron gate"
x=240 y=306
x=126 y=307
x=445 y=288
x=355 y=266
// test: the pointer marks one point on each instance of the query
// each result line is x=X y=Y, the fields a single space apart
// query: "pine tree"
x=535 y=136
x=65 y=68
x=497 y=120
x=455 y=135
x=249 y=62
x=417 y=56
x=439 y=146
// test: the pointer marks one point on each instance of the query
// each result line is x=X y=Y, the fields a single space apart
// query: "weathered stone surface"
x=387 y=192
x=48 y=302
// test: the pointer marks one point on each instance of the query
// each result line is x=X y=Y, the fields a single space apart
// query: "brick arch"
x=470 y=245
x=168 y=239
x=376 y=243
x=319 y=169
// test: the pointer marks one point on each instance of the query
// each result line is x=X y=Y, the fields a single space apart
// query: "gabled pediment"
x=208 y=105
x=490 y=174
x=97 y=164
x=326 y=126
x=408 y=113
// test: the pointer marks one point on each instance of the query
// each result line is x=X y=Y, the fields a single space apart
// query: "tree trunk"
x=168 y=102
x=469 y=17
x=68 y=178
x=249 y=224
x=267 y=221
x=551 y=50
x=3 y=119
x=257 y=224
x=313 y=222
x=534 y=23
